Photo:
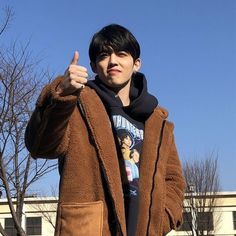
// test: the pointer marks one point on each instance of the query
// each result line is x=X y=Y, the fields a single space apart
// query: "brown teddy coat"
x=77 y=130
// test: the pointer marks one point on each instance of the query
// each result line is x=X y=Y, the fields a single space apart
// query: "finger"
x=78 y=79
x=73 y=68
x=77 y=85
x=80 y=74
x=75 y=58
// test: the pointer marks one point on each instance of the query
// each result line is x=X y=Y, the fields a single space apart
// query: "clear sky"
x=188 y=56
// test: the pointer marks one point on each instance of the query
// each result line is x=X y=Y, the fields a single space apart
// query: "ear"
x=93 y=66
x=137 y=64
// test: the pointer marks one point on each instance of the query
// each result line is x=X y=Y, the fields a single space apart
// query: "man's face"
x=116 y=68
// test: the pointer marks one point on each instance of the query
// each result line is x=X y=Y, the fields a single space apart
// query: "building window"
x=187 y=221
x=234 y=219
x=204 y=221
x=34 y=225
x=10 y=227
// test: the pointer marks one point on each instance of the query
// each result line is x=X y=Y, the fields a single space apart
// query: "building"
x=39 y=216
x=222 y=222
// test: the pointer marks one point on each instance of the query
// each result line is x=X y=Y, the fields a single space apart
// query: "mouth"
x=113 y=71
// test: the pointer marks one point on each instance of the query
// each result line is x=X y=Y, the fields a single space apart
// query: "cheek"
x=129 y=72
x=131 y=67
x=103 y=67
x=100 y=68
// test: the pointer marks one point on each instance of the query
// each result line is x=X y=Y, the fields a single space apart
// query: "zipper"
x=155 y=171
x=81 y=108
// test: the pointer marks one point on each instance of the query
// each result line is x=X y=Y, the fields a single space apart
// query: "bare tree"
x=7 y=17
x=202 y=179
x=19 y=86
x=48 y=208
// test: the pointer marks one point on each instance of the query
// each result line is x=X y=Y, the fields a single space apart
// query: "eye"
x=122 y=54
x=102 y=55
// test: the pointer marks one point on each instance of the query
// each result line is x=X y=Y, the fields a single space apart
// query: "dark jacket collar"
x=142 y=103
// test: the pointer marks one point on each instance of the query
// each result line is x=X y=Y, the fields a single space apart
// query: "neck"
x=123 y=94
x=124 y=97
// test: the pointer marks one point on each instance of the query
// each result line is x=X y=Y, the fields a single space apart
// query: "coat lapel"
x=152 y=168
x=148 y=165
x=101 y=130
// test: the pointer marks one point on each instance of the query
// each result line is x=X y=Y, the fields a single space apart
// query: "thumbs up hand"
x=75 y=77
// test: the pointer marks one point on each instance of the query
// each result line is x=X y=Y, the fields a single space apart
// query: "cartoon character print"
x=130 y=139
x=131 y=158
x=126 y=143
x=131 y=165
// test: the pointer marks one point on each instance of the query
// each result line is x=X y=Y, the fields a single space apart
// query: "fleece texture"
x=76 y=129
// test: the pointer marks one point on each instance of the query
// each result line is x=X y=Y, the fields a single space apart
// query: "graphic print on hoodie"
x=130 y=138
x=128 y=128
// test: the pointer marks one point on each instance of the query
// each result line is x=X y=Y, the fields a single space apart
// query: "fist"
x=75 y=77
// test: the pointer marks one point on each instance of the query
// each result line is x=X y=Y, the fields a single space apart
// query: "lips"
x=113 y=71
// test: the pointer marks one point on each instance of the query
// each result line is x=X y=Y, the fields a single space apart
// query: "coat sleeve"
x=175 y=186
x=47 y=132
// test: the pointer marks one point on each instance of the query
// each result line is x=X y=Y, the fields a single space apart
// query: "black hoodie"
x=128 y=128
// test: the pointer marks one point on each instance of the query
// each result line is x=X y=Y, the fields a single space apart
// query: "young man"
x=83 y=123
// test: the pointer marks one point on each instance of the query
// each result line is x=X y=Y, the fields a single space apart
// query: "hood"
x=142 y=104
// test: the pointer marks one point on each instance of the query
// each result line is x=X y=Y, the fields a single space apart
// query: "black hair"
x=116 y=37
x=124 y=135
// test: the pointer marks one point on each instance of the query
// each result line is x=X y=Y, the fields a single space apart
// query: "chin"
x=118 y=83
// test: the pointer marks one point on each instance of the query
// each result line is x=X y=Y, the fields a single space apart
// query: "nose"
x=113 y=59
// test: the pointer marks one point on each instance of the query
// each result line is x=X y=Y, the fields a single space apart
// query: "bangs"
x=107 y=45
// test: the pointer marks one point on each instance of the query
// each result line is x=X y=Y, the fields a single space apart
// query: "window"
x=34 y=225
x=10 y=227
x=234 y=219
x=187 y=221
x=204 y=221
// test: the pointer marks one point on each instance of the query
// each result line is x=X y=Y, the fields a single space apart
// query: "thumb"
x=75 y=58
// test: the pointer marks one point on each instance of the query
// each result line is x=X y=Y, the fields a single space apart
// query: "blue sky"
x=188 y=56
